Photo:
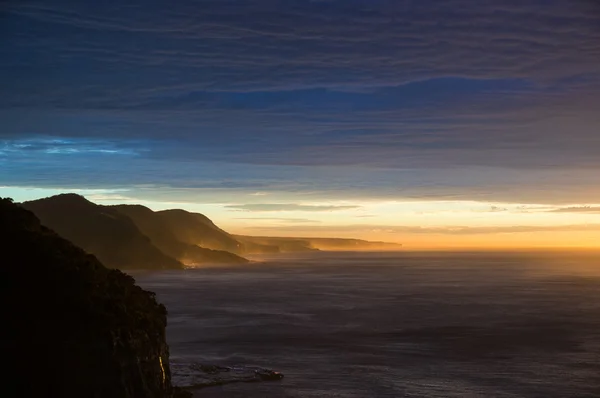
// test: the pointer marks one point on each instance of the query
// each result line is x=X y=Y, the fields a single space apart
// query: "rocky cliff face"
x=71 y=327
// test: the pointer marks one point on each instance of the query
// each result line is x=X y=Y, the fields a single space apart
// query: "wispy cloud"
x=62 y=146
x=311 y=41
x=280 y=219
x=385 y=99
x=577 y=209
x=272 y=207
x=449 y=230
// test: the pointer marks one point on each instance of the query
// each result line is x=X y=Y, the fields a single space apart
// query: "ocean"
x=402 y=324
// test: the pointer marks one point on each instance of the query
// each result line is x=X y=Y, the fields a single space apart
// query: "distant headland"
x=135 y=237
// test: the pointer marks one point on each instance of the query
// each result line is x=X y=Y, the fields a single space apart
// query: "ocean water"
x=349 y=325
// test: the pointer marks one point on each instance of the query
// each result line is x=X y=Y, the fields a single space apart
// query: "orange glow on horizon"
x=416 y=224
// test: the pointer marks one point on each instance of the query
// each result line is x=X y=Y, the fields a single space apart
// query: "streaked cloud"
x=61 y=146
x=447 y=230
x=317 y=44
x=311 y=102
x=269 y=207
x=279 y=219
x=577 y=209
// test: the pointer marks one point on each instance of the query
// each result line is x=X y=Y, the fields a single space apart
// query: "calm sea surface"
x=394 y=324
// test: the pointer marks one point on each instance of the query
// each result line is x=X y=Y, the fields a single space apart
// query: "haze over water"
x=437 y=324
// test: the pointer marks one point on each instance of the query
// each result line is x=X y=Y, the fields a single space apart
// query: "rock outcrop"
x=72 y=327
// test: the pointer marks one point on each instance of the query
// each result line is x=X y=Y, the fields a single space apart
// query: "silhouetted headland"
x=136 y=237
x=206 y=243
x=108 y=234
x=72 y=327
x=124 y=237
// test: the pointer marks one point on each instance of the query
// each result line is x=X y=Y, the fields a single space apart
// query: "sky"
x=436 y=124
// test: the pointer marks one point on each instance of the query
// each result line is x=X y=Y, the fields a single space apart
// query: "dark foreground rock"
x=70 y=326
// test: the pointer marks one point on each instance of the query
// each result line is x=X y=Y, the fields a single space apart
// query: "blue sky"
x=321 y=109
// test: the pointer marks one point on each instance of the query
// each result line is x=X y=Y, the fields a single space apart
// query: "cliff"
x=71 y=327
x=109 y=235
x=134 y=236
x=197 y=229
x=157 y=227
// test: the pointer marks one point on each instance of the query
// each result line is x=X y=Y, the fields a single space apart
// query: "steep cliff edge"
x=71 y=327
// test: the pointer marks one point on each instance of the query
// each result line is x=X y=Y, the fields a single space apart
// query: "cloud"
x=463 y=230
x=219 y=182
x=280 y=219
x=147 y=57
x=384 y=99
x=268 y=207
x=577 y=209
x=57 y=146
x=332 y=43
x=450 y=230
